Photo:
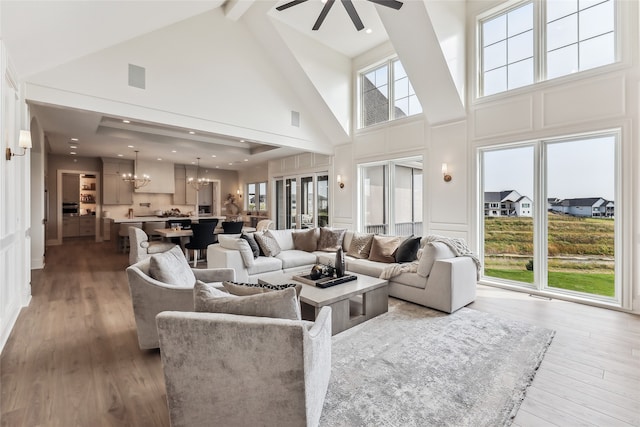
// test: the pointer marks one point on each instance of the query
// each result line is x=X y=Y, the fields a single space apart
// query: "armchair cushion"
x=283 y=304
x=242 y=289
x=172 y=268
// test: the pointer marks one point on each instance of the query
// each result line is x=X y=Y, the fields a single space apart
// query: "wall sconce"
x=445 y=173
x=24 y=142
x=239 y=193
x=339 y=180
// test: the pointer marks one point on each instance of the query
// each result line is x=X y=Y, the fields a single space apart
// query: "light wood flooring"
x=73 y=359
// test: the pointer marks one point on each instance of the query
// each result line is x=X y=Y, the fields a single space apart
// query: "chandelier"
x=198 y=182
x=133 y=178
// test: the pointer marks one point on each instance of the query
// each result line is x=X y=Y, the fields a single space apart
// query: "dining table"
x=185 y=233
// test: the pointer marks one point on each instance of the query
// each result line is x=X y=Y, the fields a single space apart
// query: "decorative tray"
x=324 y=282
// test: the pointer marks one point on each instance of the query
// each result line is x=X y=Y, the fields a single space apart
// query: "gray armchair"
x=231 y=370
x=140 y=247
x=150 y=297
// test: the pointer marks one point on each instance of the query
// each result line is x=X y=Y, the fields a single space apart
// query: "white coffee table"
x=351 y=303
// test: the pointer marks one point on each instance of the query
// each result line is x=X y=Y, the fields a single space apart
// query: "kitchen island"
x=111 y=232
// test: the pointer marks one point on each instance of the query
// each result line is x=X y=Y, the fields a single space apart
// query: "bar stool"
x=123 y=235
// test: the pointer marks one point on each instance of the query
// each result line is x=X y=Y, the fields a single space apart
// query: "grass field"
x=580 y=250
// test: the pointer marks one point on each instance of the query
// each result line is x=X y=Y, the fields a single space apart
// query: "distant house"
x=588 y=207
x=507 y=203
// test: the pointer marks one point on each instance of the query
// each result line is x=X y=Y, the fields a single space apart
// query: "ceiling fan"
x=348 y=5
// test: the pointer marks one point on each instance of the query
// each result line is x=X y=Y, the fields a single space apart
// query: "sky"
x=578 y=168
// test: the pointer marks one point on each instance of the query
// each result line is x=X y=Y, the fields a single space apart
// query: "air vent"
x=295 y=118
x=137 y=76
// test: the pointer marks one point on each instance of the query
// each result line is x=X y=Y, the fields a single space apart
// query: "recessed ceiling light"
x=159 y=158
x=120 y=155
x=368 y=31
x=217 y=167
x=191 y=132
x=73 y=152
x=130 y=146
x=230 y=163
x=173 y=151
x=213 y=155
x=73 y=146
x=193 y=163
x=246 y=160
x=242 y=140
x=126 y=121
x=74 y=139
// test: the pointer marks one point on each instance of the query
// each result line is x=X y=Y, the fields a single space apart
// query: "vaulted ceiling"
x=49 y=39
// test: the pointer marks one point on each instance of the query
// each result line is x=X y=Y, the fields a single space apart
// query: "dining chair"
x=232 y=227
x=203 y=236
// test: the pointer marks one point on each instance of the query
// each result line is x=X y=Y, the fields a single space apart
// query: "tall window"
x=391 y=197
x=380 y=84
x=257 y=196
x=560 y=235
x=577 y=35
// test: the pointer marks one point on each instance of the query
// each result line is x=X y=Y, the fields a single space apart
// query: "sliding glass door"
x=549 y=215
x=302 y=201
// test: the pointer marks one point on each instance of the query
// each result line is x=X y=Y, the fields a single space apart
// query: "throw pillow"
x=268 y=244
x=408 y=250
x=242 y=289
x=282 y=304
x=229 y=241
x=330 y=240
x=432 y=252
x=383 y=248
x=172 y=268
x=251 y=240
x=305 y=240
x=360 y=245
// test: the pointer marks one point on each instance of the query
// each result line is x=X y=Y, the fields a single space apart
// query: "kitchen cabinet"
x=70 y=188
x=87 y=225
x=70 y=226
x=184 y=193
x=114 y=190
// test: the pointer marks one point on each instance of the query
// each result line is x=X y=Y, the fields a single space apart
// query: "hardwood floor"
x=73 y=359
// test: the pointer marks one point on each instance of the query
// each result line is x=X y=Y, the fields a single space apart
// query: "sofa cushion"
x=295 y=258
x=239 y=244
x=242 y=289
x=251 y=240
x=408 y=250
x=283 y=304
x=172 y=268
x=365 y=266
x=264 y=264
x=360 y=245
x=432 y=252
x=306 y=240
x=410 y=279
x=268 y=244
x=330 y=239
x=283 y=237
x=383 y=248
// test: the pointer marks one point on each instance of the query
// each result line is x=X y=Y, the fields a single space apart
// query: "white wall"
x=15 y=201
x=206 y=73
x=594 y=100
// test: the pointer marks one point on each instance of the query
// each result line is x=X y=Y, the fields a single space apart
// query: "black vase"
x=339 y=263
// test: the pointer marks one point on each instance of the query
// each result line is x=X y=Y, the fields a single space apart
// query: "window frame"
x=388 y=63
x=540 y=284
x=257 y=196
x=539 y=46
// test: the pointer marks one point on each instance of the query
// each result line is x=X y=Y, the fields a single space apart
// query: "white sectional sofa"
x=449 y=284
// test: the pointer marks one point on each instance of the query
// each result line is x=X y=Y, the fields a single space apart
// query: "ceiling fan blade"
x=394 y=4
x=323 y=14
x=288 y=5
x=353 y=14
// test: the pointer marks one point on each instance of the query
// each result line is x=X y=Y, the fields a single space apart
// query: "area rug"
x=414 y=366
